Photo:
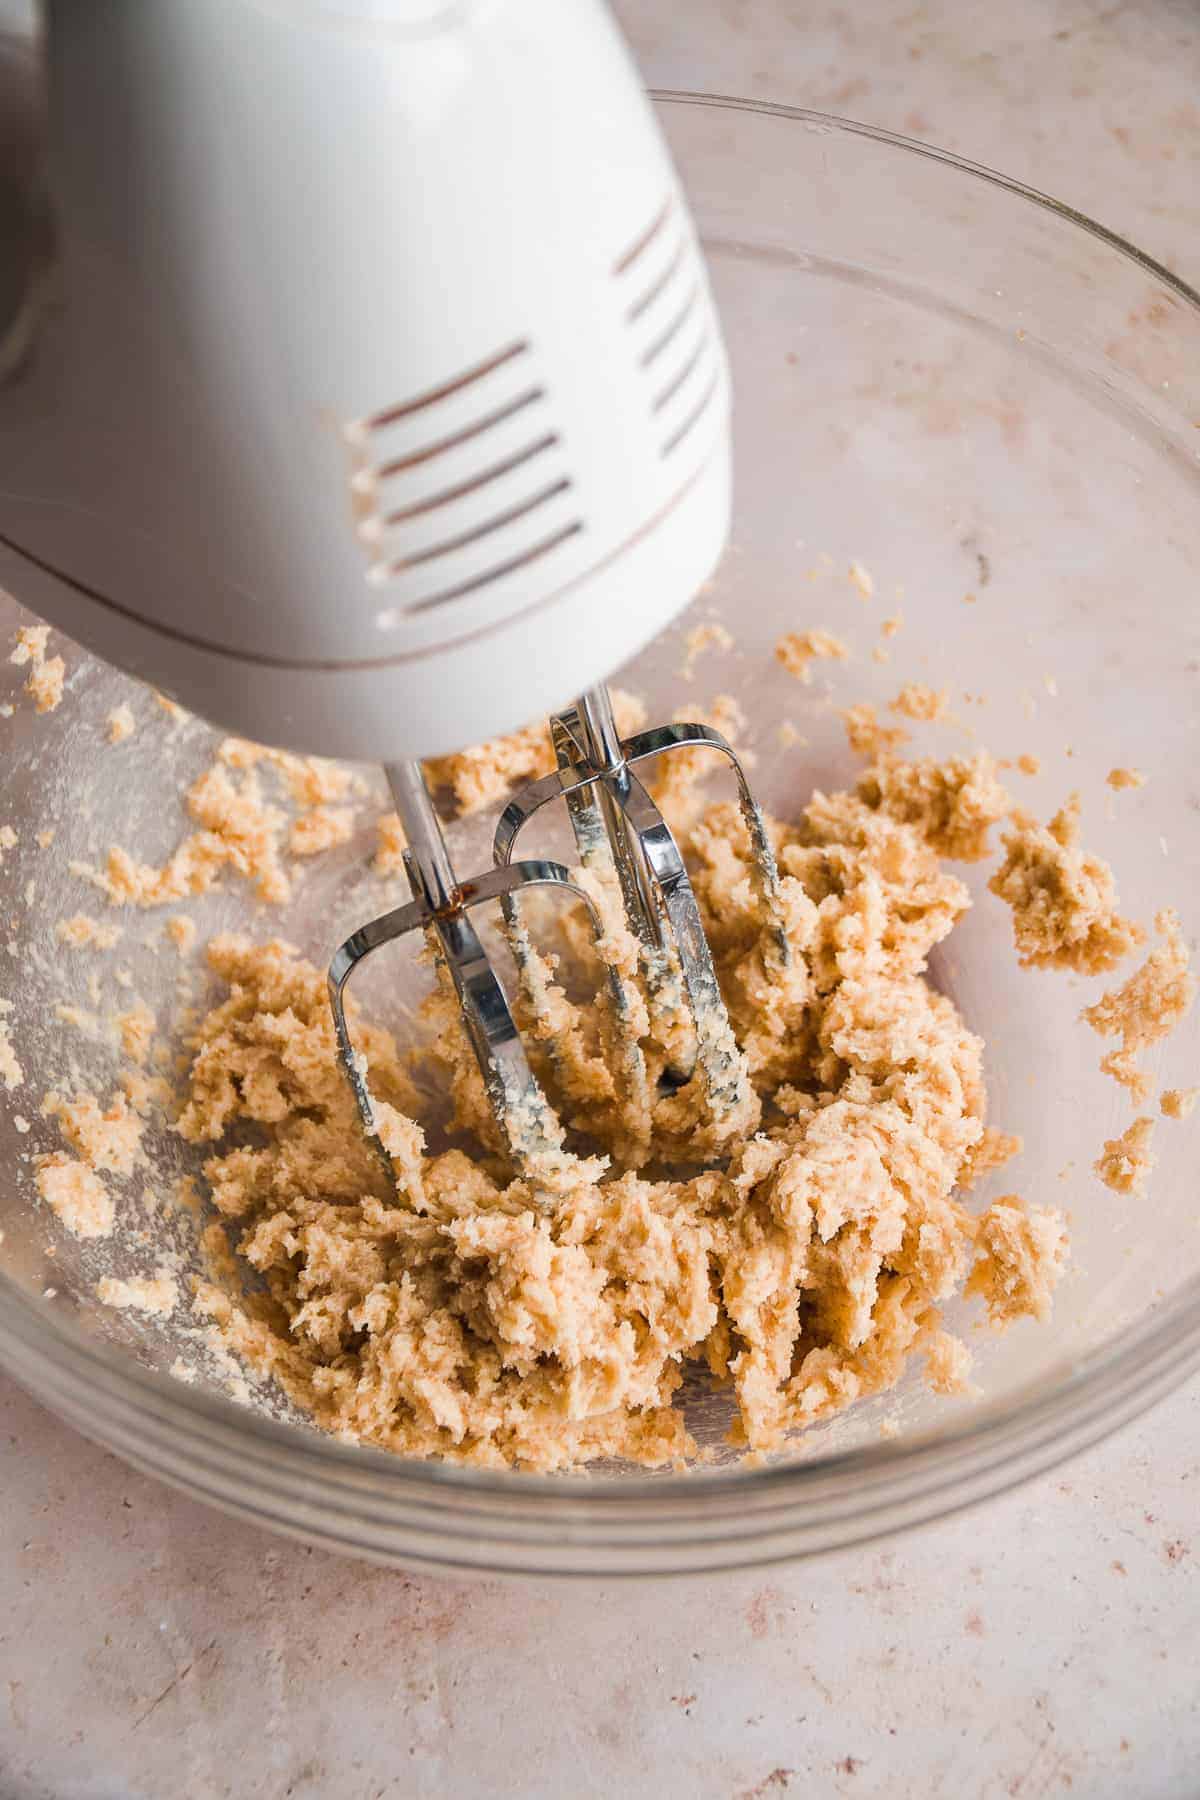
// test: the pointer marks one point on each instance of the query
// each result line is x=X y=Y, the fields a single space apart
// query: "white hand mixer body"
x=361 y=387
x=376 y=402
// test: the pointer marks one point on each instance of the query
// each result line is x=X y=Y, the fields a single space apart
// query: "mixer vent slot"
x=670 y=331
x=532 y=555
x=693 y=418
x=645 y=301
x=480 y=531
x=515 y=461
x=433 y=395
x=398 y=464
x=668 y=315
x=644 y=239
x=469 y=466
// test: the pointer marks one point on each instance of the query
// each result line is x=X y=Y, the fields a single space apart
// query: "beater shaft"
x=440 y=907
x=614 y=816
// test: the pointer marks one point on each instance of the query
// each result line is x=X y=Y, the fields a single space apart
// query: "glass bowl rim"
x=1040 y=1423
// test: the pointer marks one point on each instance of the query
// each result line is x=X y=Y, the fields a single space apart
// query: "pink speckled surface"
x=1043 y=1645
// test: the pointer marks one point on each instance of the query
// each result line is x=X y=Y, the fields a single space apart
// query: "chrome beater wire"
x=441 y=908
x=614 y=818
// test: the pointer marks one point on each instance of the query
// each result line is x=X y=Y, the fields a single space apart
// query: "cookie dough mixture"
x=460 y=1312
x=799 y=1253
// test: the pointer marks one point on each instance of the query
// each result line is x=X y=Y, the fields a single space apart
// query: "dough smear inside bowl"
x=692 y=1289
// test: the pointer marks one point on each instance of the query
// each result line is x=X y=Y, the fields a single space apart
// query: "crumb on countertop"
x=11 y=1073
x=107 y=1139
x=137 y=1032
x=1127 y=1160
x=146 y=1093
x=29 y=645
x=178 y=715
x=948 y=1365
x=953 y=802
x=1177 y=1103
x=699 y=640
x=868 y=736
x=239 y=830
x=78 y=1017
x=121 y=724
x=1125 y=778
x=321 y=829
x=139 y=1293
x=918 y=701
x=677 y=785
x=1020 y=1256
x=798 y=649
x=390 y=845
x=861 y=579
x=45 y=682
x=76 y=1195
x=994 y=1149
x=1029 y=765
x=311 y=781
x=182 y=932
x=80 y=932
x=1146 y=1007
x=484 y=773
x=1063 y=899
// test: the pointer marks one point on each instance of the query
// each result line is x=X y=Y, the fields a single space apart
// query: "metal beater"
x=616 y=824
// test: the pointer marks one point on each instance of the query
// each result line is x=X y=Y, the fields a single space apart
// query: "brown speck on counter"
x=757 y=1613
x=776 y=1782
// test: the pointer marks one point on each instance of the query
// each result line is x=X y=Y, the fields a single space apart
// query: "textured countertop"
x=1045 y=1643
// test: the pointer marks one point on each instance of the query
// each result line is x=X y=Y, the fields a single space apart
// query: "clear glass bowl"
x=970 y=391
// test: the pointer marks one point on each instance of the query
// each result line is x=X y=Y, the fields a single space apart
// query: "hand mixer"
x=360 y=386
